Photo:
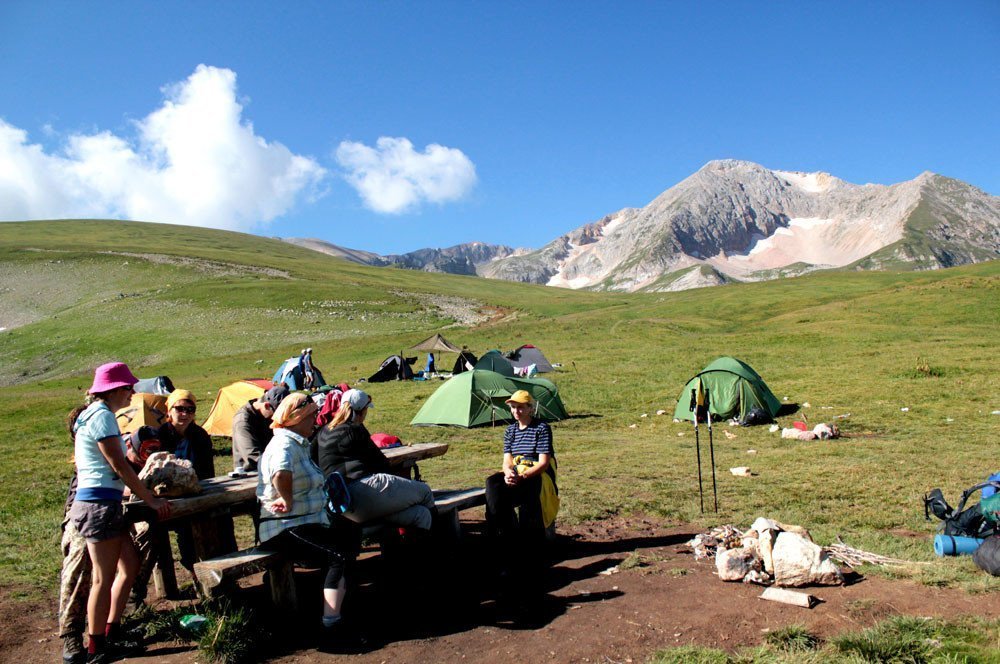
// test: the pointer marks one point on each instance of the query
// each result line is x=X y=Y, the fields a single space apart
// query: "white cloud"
x=393 y=178
x=193 y=161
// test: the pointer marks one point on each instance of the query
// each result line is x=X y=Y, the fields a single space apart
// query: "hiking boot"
x=340 y=639
x=73 y=651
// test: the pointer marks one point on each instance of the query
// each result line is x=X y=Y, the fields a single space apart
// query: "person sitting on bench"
x=344 y=445
x=527 y=481
x=293 y=515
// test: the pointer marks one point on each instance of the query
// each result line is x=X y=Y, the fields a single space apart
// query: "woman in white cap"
x=103 y=472
x=344 y=445
x=526 y=481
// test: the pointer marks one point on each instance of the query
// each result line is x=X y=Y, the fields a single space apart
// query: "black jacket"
x=349 y=450
x=199 y=447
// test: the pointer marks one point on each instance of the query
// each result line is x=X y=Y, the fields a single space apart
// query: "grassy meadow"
x=208 y=307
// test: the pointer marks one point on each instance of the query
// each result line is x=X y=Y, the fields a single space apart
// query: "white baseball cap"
x=357 y=399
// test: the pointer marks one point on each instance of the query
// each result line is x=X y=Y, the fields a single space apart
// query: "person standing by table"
x=103 y=472
x=527 y=481
x=344 y=445
x=252 y=428
x=293 y=515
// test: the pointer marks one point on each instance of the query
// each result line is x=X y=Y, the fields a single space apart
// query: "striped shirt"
x=529 y=442
x=290 y=451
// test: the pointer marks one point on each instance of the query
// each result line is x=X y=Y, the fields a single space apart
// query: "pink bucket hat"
x=111 y=376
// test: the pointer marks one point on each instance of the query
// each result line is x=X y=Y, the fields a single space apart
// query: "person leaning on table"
x=252 y=428
x=103 y=472
x=293 y=515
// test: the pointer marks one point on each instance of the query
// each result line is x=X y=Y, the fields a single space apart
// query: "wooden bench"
x=449 y=502
x=210 y=575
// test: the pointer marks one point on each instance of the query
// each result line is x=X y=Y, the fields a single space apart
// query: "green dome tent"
x=734 y=388
x=495 y=361
x=478 y=397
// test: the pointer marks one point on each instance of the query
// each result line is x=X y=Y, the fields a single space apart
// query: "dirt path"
x=585 y=616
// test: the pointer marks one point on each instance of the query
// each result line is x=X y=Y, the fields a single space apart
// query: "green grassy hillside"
x=206 y=307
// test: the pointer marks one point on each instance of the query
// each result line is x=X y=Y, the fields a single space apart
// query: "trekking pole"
x=697 y=447
x=711 y=450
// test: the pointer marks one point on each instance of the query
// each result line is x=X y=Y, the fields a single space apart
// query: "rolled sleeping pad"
x=955 y=545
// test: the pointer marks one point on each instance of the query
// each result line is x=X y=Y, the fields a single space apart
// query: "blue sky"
x=392 y=126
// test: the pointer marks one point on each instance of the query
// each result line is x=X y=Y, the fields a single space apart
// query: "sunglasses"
x=185 y=409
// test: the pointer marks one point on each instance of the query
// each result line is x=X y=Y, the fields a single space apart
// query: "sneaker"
x=102 y=657
x=126 y=645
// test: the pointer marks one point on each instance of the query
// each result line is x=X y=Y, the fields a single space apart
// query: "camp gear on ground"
x=756 y=416
x=990 y=507
x=429 y=367
x=478 y=397
x=160 y=385
x=955 y=545
x=436 y=342
x=466 y=362
x=230 y=399
x=111 y=376
x=961 y=521
x=735 y=388
x=299 y=373
x=394 y=367
x=144 y=410
x=527 y=355
x=494 y=361
x=991 y=490
x=987 y=555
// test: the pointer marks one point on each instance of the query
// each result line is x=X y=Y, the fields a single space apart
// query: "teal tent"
x=733 y=387
x=478 y=397
x=495 y=361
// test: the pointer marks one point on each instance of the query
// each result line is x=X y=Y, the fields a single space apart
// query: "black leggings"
x=501 y=499
x=334 y=547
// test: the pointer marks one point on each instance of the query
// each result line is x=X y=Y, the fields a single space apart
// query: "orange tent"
x=144 y=410
x=229 y=400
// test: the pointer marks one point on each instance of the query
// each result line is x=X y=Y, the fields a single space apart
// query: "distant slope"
x=751 y=223
x=464 y=259
x=76 y=293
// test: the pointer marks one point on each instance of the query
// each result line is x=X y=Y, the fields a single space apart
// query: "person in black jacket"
x=185 y=439
x=252 y=428
x=344 y=445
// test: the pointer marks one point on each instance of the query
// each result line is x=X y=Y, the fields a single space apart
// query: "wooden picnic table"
x=210 y=513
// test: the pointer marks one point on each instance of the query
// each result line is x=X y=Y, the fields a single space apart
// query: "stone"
x=799 y=562
x=734 y=564
x=166 y=475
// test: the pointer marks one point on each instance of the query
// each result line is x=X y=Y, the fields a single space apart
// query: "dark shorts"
x=99 y=520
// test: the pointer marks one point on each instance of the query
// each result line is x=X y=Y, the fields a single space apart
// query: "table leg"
x=164 y=578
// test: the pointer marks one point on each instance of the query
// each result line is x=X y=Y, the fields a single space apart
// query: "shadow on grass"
x=787 y=409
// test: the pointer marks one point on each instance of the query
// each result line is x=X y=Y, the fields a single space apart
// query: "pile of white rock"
x=768 y=553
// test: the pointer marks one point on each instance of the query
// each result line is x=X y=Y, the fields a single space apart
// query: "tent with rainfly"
x=144 y=410
x=229 y=400
x=733 y=388
x=527 y=355
x=478 y=397
x=436 y=343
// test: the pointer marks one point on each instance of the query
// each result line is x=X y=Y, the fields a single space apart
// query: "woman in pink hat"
x=103 y=472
